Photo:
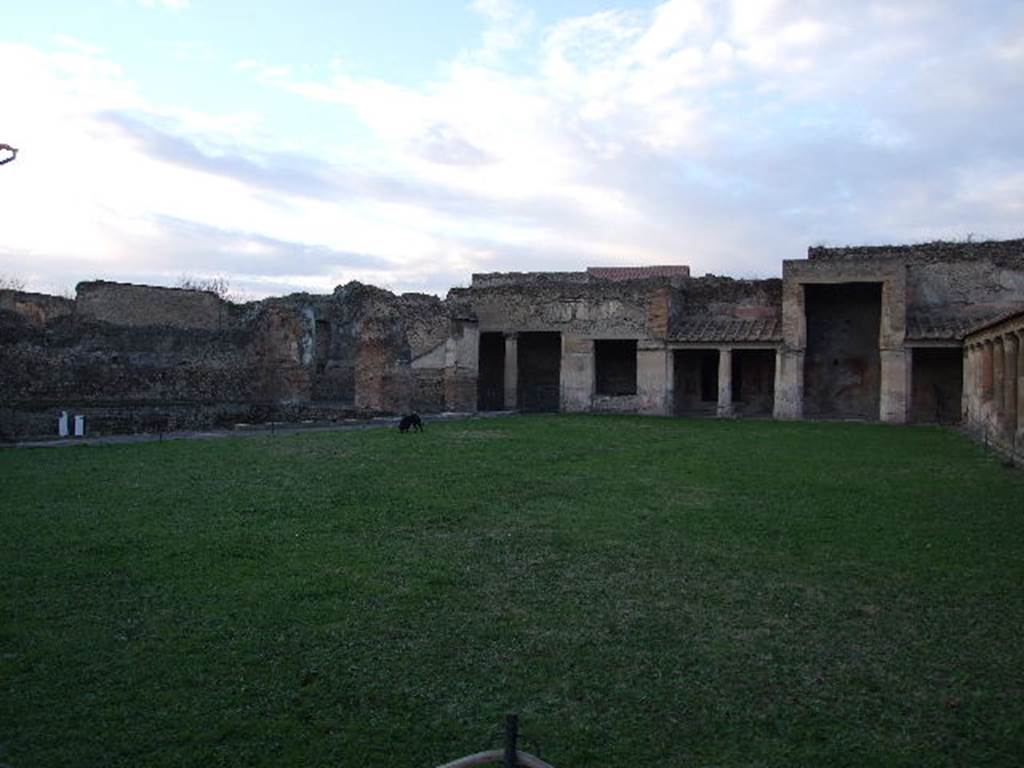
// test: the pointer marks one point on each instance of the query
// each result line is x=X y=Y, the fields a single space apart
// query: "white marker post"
x=79 y=426
x=62 y=424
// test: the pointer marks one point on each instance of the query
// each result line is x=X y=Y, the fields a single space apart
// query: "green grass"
x=641 y=591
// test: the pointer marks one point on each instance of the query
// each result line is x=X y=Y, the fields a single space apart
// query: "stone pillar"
x=725 y=382
x=653 y=379
x=979 y=386
x=789 y=384
x=998 y=377
x=1010 y=404
x=974 y=401
x=1020 y=389
x=511 y=370
x=461 y=366
x=895 y=386
x=909 y=406
x=789 y=361
x=965 y=386
x=577 y=379
x=986 y=384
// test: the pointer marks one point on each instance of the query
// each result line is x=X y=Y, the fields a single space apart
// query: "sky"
x=295 y=146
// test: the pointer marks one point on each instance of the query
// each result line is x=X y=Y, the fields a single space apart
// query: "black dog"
x=413 y=421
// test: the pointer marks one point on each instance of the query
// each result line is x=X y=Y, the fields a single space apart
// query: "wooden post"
x=511 y=737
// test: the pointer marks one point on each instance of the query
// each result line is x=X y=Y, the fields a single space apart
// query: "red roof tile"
x=709 y=330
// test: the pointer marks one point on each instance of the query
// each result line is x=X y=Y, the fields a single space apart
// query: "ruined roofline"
x=1002 y=317
x=93 y=284
x=497 y=279
x=660 y=273
x=16 y=293
x=938 y=250
x=639 y=273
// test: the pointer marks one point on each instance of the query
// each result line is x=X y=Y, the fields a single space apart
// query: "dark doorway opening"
x=490 y=382
x=615 y=366
x=842 y=364
x=539 y=367
x=936 y=386
x=753 y=382
x=695 y=373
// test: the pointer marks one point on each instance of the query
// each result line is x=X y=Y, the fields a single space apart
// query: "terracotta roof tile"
x=708 y=330
x=976 y=327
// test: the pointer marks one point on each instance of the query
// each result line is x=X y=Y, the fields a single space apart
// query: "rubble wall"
x=572 y=303
x=147 y=305
x=723 y=298
x=130 y=355
x=948 y=282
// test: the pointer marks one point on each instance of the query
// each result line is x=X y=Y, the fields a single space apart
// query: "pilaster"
x=511 y=370
x=725 y=408
x=895 y=386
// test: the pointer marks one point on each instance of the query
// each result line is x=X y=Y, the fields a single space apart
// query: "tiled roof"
x=705 y=330
x=954 y=328
x=639 y=273
x=995 y=321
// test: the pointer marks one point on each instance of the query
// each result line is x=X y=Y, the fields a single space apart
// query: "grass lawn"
x=642 y=591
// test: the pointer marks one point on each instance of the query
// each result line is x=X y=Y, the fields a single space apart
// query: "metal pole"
x=511 y=736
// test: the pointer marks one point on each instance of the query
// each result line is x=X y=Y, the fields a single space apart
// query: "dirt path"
x=246 y=430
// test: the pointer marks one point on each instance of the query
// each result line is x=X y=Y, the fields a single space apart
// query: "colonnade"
x=993 y=387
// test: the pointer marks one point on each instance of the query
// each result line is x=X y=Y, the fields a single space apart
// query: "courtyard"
x=642 y=591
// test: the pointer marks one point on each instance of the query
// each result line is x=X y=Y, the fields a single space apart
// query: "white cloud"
x=174 y=5
x=727 y=137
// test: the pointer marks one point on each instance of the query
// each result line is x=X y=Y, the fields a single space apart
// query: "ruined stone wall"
x=704 y=306
x=958 y=292
x=37 y=309
x=76 y=358
x=998 y=252
x=146 y=305
x=951 y=283
x=572 y=303
x=723 y=298
x=127 y=354
x=375 y=338
x=139 y=351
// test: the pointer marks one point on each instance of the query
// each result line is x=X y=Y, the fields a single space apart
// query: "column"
x=1020 y=388
x=789 y=361
x=511 y=370
x=789 y=384
x=986 y=383
x=1010 y=404
x=653 y=379
x=461 y=366
x=965 y=391
x=979 y=384
x=577 y=378
x=895 y=385
x=725 y=382
x=974 y=398
x=998 y=375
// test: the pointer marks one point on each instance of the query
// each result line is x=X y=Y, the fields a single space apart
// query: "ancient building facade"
x=993 y=382
x=872 y=333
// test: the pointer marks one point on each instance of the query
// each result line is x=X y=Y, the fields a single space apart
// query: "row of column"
x=993 y=391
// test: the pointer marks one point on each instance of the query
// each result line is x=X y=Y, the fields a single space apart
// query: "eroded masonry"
x=922 y=333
